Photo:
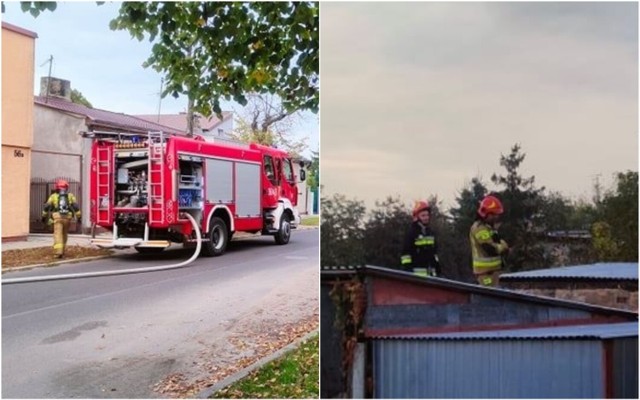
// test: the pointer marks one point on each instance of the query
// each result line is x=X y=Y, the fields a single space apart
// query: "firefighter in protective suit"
x=62 y=206
x=420 y=251
x=487 y=247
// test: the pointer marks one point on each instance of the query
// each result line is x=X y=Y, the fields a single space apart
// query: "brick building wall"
x=616 y=294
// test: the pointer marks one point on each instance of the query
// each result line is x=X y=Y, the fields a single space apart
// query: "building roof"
x=179 y=121
x=591 y=331
x=105 y=118
x=599 y=271
x=17 y=29
x=489 y=291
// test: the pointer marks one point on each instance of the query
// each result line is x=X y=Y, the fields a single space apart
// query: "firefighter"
x=62 y=206
x=419 y=254
x=487 y=248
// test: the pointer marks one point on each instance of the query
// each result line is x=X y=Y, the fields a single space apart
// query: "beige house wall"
x=18 y=52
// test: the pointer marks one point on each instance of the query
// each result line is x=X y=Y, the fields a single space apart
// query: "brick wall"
x=608 y=297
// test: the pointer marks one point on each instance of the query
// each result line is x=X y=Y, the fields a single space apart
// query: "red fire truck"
x=141 y=188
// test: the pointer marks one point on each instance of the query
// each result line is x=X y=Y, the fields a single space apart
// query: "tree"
x=211 y=51
x=468 y=200
x=78 y=98
x=522 y=203
x=555 y=212
x=214 y=50
x=265 y=120
x=384 y=232
x=341 y=232
x=456 y=249
x=313 y=171
x=619 y=211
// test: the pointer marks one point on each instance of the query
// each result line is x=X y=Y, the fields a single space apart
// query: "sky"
x=106 y=66
x=419 y=98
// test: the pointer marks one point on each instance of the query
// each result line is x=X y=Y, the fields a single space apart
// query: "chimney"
x=58 y=88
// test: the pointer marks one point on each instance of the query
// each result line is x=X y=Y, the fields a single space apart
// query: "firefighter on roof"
x=487 y=248
x=419 y=254
x=62 y=206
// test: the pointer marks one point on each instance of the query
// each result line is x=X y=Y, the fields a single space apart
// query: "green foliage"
x=384 y=232
x=78 y=98
x=341 y=231
x=619 y=209
x=311 y=220
x=522 y=203
x=468 y=200
x=224 y=50
x=313 y=171
x=295 y=375
x=36 y=7
x=605 y=246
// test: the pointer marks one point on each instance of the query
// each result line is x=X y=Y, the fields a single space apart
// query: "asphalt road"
x=119 y=336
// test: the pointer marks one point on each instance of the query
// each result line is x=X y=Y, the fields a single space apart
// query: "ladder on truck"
x=155 y=178
x=104 y=185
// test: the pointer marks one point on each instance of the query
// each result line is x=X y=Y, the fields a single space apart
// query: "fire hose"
x=120 y=272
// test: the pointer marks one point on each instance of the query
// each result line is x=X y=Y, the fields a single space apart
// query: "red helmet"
x=490 y=205
x=419 y=207
x=62 y=184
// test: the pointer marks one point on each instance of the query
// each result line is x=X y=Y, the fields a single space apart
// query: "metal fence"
x=41 y=189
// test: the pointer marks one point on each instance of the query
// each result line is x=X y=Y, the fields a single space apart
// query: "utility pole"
x=160 y=98
x=597 y=189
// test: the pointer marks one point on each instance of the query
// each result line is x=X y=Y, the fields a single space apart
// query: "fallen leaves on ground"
x=44 y=255
x=294 y=375
x=258 y=342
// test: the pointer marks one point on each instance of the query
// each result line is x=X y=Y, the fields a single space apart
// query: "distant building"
x=211 y=128
x=604 y=284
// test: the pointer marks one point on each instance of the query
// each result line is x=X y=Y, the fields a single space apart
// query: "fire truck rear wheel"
x=284 y=232
x=218 y=238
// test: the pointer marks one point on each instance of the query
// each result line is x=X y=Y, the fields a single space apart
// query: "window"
x=288 y=171
x=269 y=171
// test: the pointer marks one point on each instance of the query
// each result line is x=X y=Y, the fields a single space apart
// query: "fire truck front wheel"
x=284 y=231
x=218 y=237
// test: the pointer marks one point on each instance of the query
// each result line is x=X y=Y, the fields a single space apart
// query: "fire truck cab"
x=142 y=187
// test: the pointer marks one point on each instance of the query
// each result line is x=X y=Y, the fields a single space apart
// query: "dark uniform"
x=420 y=251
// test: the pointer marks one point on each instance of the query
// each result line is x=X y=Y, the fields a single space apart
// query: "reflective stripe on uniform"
x=424 y=241
x=487 y=262
x=404 y=260
x=420 y=272
x=487 y=281
x=483 y=235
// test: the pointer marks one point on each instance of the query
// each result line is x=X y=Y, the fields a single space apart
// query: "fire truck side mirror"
x=303 y=175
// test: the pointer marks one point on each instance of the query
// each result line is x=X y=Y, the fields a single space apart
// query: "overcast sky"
x=106 y=65
x=419 y=98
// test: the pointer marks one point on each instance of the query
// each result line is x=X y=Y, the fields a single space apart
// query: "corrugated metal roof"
x=592 y=331
x=490 y=291
x=616 y=271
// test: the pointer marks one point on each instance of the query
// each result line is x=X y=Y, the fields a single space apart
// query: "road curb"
x=205 y=394
x=55 y=263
